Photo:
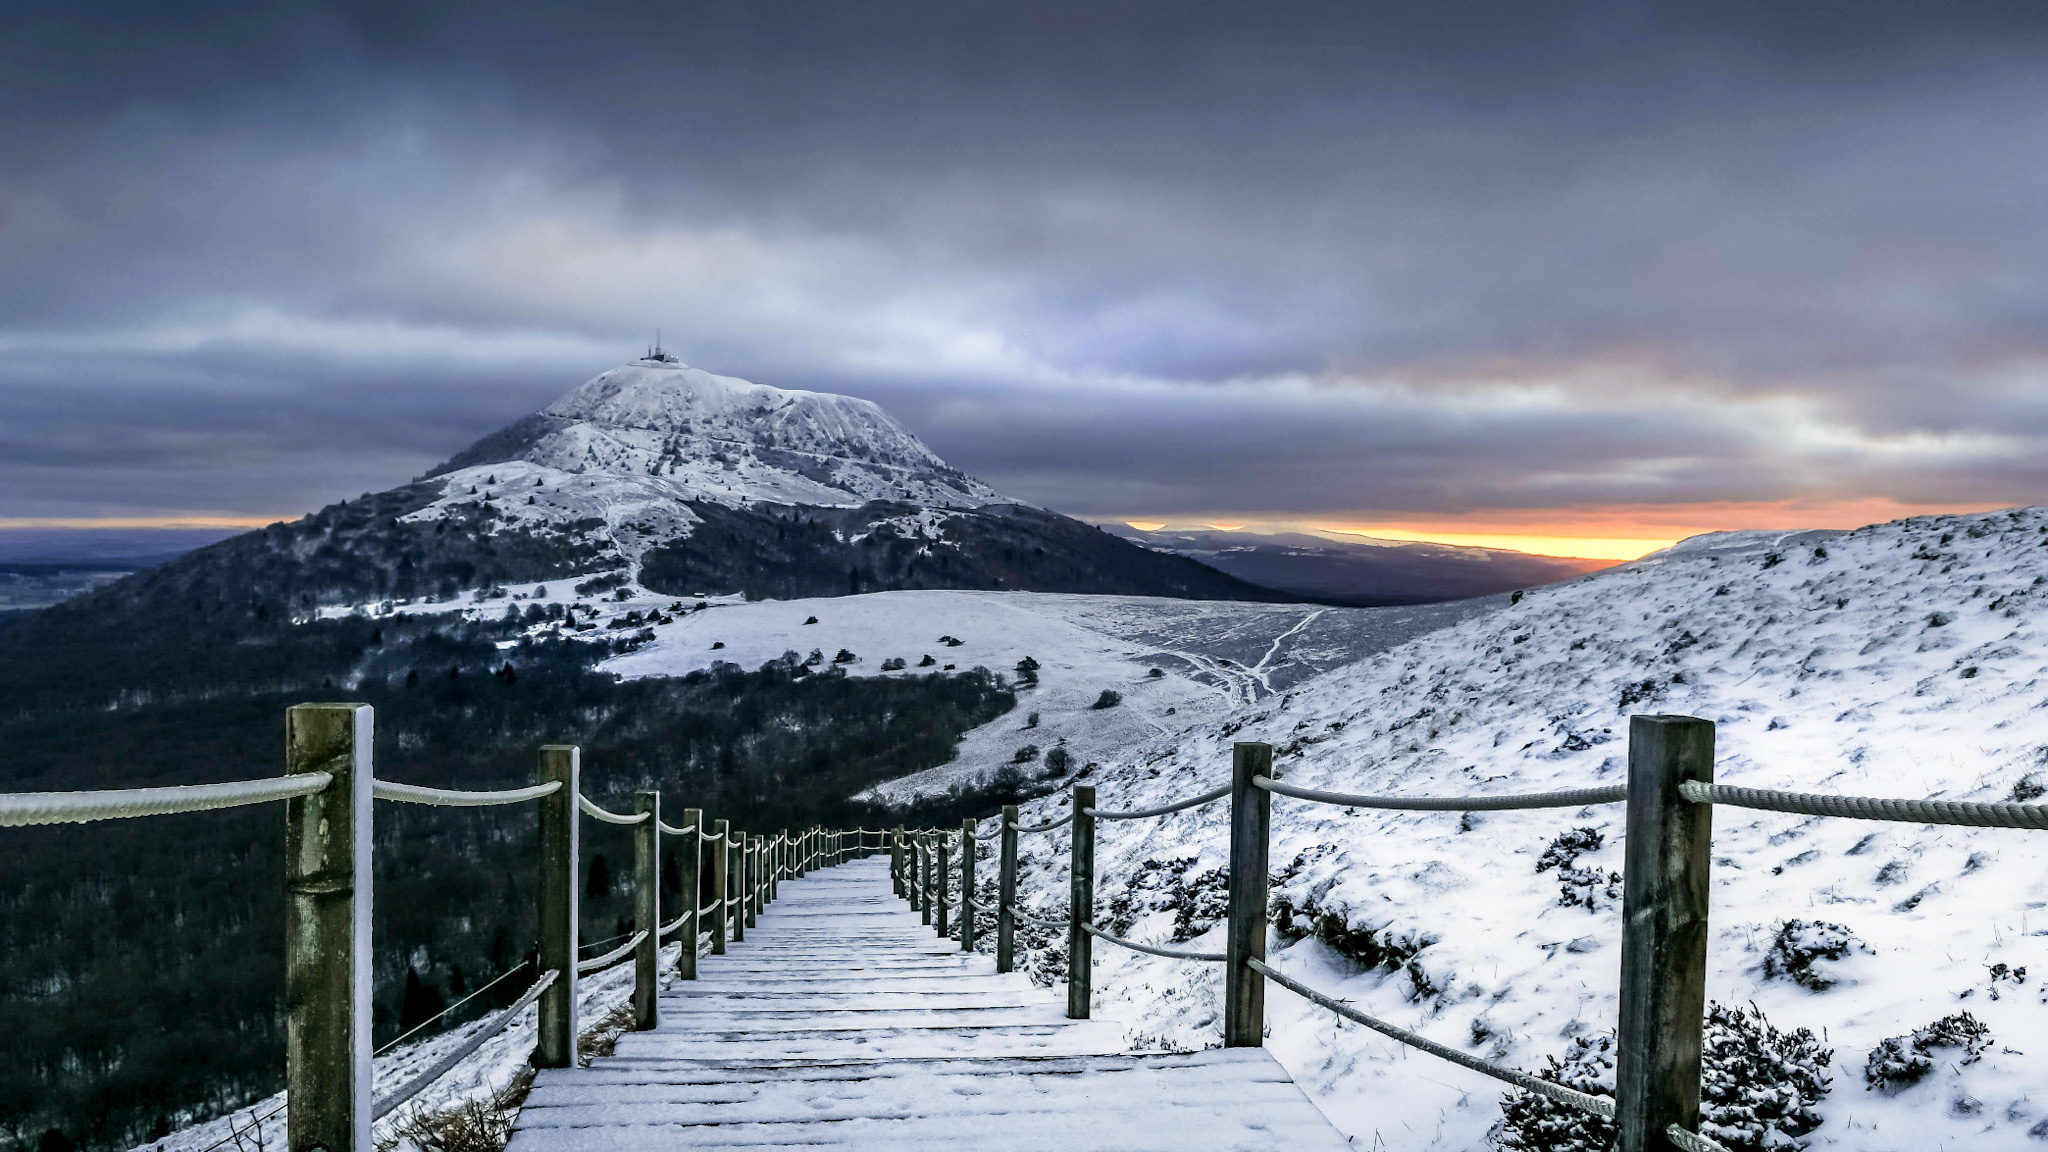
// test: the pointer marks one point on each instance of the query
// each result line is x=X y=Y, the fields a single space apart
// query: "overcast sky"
x=1610 y=269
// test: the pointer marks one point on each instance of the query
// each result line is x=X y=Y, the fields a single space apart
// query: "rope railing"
x=1597 y=1105
x=1164 y=809
x=441 y=1067
x=591 y=809
x=600 y=963
x=1569 y=798
x=454 y=798
x=1963 y=813
x=1670 y=769
x=20 y=809
x=1154 y=949
x=331 y=838
x=1062 y=821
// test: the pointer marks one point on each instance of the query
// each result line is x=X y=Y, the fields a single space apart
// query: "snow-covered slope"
x=1906 y=659
x=631 y=444
x=1208 y=656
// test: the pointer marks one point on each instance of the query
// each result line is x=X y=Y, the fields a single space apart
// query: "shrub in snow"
x=1198 y=902
x=1372 y=947
x=1758 y=1089
x=1588 y=888
x=1108 y=699
x=893 y=664
x=1564 y=850
x=1056 y=762
x=1025 y=755
x=2028 y=788
x=1800 y=944
x=843 y=656
x=1759 y=1086
x=1900 y=1062
x=926 y=662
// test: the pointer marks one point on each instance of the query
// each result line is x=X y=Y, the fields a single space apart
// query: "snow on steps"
x=843 y=1022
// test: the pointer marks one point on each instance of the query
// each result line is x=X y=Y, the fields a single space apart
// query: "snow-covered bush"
x=1759 y=1086
x=1564 y=850
x=1799 y=944
x=1588 y=888
x=1758 y=1089
x=1899 y=1062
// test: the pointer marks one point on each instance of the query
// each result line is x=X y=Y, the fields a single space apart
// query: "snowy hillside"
x=1907 y=659
x=1210 y=655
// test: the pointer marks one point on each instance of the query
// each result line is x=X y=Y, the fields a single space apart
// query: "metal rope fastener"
x=1964 y=813
x=1153 y=949
x=454 y=798
x=25 y=808
x=1176 y=806
x=592 y=810
x=414 y=1086
x=1572 y=798
x=1597 y=1105
x=599 y=963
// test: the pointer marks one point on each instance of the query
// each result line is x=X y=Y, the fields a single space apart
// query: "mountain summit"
x=695 y=435
x=687 y=483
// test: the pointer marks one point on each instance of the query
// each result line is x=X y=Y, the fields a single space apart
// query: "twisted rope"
x=672 y=925
x=453 y=798
x=599 y=963
x=1571 y=798
x=1045 y=827
x=24 y=808
x=1690 y=1141
x=590 y=809
x=1969 y=815
x=667 y=830
x=414 y=1086
x=1597 y=1105
x=1190 y=802
x=1152 y=949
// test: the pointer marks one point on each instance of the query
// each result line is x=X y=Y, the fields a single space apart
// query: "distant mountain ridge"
x=1361 y=571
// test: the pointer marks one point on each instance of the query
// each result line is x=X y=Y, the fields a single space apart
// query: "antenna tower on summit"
x=657 y=352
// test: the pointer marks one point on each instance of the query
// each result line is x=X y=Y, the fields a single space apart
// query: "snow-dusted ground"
x=1908 y=659
x=1211 y=655
x=481 y=1077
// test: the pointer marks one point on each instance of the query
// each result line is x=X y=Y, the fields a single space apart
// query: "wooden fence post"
x=1663 y=932
x=923 y=880
x=647 y=910
x=689 y=865
x=746 y=868
x=1244 y=989
x=1081 y=905
x=327 y=929
x=939 y=899
x=742 y=902
x=967 y=885
x=1006 y=893
x=721 y=914
x=558 y=875
x=896 y=861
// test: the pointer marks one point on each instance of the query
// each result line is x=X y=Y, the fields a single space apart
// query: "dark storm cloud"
x=1307 y=259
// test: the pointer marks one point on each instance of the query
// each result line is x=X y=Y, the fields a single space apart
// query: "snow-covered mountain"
x=681 y=432
x=693 y=485
x=1905 y=659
